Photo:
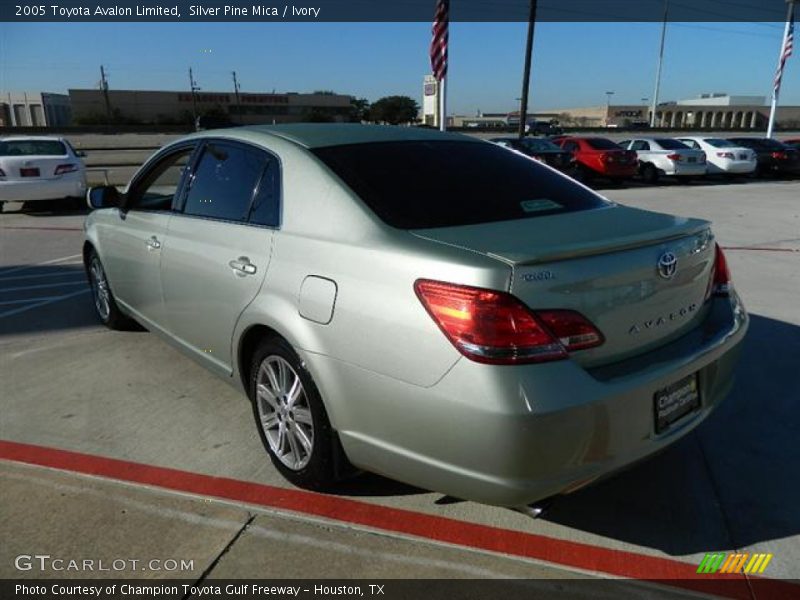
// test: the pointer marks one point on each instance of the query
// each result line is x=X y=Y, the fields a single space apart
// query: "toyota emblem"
x=667 y=265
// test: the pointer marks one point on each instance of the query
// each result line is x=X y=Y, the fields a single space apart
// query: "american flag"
x=786 y=52
x=439 y=40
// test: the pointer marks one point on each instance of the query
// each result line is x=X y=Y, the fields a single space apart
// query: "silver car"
x=666 y=156
x=422 y=305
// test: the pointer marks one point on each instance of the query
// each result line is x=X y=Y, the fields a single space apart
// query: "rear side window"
x=32 y=148
x=719 y=143
x=224 y=181
x=424 y=184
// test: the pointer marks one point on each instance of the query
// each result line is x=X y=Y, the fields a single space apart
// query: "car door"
x=133 y=240
x=219 y=246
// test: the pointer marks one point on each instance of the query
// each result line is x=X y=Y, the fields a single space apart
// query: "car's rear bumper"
x=685 y=169
x=42 y=189
x=738 y=167
x=514 y=435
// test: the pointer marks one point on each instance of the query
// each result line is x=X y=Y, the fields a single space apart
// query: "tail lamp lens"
x=496 y=328
x=719 y=284
x=674 y=157
x=68 y=168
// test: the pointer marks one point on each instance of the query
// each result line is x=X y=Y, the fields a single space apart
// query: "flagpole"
x=776 y=89
x=443 y=104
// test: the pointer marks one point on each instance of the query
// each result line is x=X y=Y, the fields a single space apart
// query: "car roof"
x=319 y=135
x=29 y=138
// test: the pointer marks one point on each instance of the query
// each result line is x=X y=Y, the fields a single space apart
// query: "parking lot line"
x=40 y=275
x=53 y=261
x=580 y=555
x=24 y=300
x=50 y=300
x=42 y=286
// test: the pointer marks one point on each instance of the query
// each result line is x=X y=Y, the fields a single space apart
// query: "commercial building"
x=34 y=109
x=162 y=107
x=713 y=111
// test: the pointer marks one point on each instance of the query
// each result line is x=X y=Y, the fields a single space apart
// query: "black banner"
x=387 y=11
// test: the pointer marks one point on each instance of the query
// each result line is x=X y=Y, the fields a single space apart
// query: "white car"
x=724 y=156
x=665 y=156
x=40 y=168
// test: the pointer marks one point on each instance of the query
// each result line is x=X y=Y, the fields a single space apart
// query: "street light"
x=608 y=98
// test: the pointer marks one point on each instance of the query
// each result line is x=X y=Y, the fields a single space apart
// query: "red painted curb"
x=443 y=529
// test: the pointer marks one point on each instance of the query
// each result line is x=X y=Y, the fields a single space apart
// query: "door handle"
x=152 y=243
x=242 y=266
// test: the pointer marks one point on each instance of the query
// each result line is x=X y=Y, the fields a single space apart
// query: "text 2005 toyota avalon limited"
x=422 y=305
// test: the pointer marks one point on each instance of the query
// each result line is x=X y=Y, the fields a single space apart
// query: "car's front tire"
x=104 y=303
x=291 y=417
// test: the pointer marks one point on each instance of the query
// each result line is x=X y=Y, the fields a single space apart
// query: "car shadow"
x=730 y=483
x=44 y=299
x=46 y=208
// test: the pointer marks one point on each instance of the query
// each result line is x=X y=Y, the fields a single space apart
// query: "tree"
x=359 y=110
x=394 y=110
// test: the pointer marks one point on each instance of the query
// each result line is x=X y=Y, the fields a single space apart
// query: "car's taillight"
x=572 y=329
x=702 y=158
x=675 y=157
x=719 y=284
x=725 y=154
x=68 y=168
x=780 y=155
x=494 y=327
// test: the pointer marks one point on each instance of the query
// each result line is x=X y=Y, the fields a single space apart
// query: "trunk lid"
x=32 y=168
x=604 y=264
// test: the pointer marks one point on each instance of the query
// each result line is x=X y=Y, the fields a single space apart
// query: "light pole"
x=608 y=107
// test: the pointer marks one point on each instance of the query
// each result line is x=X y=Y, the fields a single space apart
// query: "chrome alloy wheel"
x=284 y=412
x=102 y=300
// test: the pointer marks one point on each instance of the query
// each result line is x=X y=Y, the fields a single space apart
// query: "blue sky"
x=574 y=63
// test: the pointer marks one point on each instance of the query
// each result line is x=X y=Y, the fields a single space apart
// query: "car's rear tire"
x=104 y=303
x=649 y=173
x=291 y=417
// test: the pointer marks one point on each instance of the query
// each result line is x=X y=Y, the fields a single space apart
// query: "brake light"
x=780 y=155
x=719 y=284
x=674 y=157
x=573 y=330
x=496 y=328
x=725 y=154
x=68 y=168
x=702 y=158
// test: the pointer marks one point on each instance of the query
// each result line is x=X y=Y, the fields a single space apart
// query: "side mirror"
x=106 y=196
x=80 y=154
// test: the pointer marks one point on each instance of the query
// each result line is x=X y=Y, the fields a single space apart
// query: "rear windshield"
x=720 y=143
x=423 y=184
x=32 y=148
x=668 y=144
x=602 y=144
x=766 y=143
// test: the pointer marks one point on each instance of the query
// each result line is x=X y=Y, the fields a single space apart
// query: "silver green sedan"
x=426 y=306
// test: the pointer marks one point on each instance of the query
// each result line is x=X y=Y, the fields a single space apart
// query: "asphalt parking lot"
x=143 y=454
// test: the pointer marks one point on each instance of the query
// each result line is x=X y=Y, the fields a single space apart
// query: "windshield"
x=422 y=184
x=668 y=144
x=719 y=143
x=602 y=144
x=32 y=148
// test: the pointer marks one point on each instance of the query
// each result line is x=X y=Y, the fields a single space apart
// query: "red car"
x=600 y=157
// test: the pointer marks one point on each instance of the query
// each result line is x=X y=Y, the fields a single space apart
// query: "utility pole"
x=193 y=86
x=526 y=74
x=236 y=89
x=660 y=62
x=104 y=88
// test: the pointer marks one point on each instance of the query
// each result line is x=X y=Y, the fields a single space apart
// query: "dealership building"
x=717 y=111
x=34 y=109
x=163 y=107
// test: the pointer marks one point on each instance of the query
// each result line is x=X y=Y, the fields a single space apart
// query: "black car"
x=773 y=157
x=542 y=150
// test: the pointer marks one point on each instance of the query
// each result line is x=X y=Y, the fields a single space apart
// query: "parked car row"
x=587 y=157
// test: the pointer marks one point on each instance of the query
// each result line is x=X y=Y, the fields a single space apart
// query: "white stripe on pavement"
x=41 y=264
x=24 y=300
x=67 y=274
x=43 y=285
x=38 y=304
